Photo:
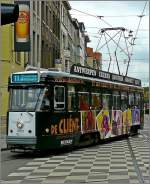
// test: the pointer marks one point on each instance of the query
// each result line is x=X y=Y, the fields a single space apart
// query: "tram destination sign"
x=24 y=78
x=99 y=74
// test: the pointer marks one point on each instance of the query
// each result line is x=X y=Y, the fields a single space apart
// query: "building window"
x=43 y=10
x=34 y=48
x=34 y=5
x=38 y=7
x=61 y=13
x=67 y=69
x=64 y=42
x=47 y=15
x=38 y=50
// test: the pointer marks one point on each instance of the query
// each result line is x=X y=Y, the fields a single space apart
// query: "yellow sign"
x=22 y=25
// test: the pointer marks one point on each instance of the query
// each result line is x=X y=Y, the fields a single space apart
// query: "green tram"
x=51 y=109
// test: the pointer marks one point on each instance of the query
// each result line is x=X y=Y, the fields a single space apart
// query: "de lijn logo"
x=65 y=126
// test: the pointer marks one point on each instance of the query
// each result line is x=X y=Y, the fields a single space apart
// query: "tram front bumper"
x=13 y=140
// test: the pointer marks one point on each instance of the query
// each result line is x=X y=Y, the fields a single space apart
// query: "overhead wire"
x=141 y=16
x=95 y=16
x=106 y=16
x=101 y=18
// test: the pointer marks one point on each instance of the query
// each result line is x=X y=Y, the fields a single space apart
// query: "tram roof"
x=58 y=74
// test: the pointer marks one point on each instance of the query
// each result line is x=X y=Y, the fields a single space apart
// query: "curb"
x=4 y=149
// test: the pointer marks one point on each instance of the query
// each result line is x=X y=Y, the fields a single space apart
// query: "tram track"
x=135 y=164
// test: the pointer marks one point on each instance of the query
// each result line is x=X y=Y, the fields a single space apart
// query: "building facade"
x=82 y=50
x=76 y=41
x=35 y=34
x=94 y=59
x=10 y=61
x=50 y=33
x=65 y=36
x=56 y=40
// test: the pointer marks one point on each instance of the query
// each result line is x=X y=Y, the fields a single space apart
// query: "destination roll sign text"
x=99 y=74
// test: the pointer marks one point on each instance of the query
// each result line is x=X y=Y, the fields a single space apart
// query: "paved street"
x=125 y=161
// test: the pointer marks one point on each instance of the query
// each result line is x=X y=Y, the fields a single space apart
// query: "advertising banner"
x=22 y=28
x=136 y=116
x=127 y=121
x=116 y=122
x=103 y=124
x=88 y=120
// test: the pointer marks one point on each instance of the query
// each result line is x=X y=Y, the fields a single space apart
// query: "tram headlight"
x=47 y=130
x=20 y=124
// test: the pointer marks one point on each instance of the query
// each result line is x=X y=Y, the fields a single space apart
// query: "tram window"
x=116 y=100
x=106 y=101
x=131 y=99
x=137 y=99
x=96 y=101
x=59 y=97
x=83 y=100
x=124 y=101
x=24 y=99
x=71 y=98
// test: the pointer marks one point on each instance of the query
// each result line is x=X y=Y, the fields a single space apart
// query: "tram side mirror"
x=9 y=13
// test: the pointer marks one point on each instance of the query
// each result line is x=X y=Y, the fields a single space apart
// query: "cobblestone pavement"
x=120 y=162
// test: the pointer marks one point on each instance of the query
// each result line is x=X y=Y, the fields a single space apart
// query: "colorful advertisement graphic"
x=103 y=124
x=116 y=122
x=136 y=117
x=22 y=27
x=88 y=120
x=127 y=121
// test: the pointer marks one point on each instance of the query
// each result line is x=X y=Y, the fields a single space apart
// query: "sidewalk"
x=3 y=145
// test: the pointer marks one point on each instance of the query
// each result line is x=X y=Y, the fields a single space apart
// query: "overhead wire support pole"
x=128 y=56
x=117 y=62
x=109 y=40
x=116 y=53
x=98 y=43
x=108 y=52
x=118 y=45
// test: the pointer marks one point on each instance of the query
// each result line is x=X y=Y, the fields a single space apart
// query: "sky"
x=118 y=14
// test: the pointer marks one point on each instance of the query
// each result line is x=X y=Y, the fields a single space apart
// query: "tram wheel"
x=134 y=131
x=96 y=138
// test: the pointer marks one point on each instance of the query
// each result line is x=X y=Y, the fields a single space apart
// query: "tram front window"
x=25 y=99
